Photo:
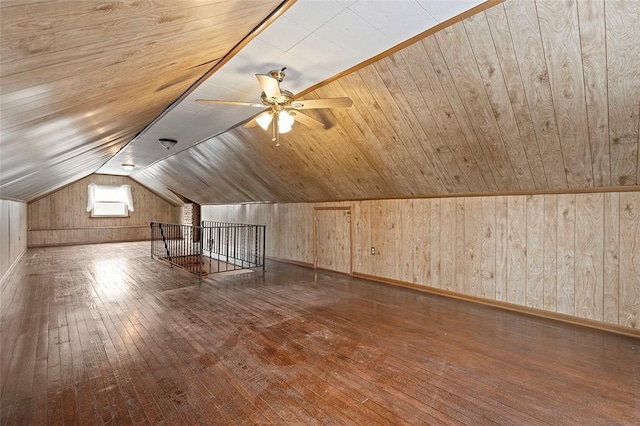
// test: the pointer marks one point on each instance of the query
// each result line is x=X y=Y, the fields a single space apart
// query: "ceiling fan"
x=282 y=108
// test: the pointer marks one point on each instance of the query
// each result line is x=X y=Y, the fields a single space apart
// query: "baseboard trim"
x=613 y=328
x=85 y=243
x=293 y=262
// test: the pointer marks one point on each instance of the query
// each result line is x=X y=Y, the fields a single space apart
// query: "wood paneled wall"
x=574 y=254
x=61 y=218
x=13 y=234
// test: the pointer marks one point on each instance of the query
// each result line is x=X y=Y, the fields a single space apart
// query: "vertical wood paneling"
x=484 y=50
x=561 y=40
x=594 y=64
x=565 y=293
x=436 y=245
x=448 y=243
x=333 y=240
x=13 y=234
x=629 y=284
x=392 y=253
x=550 y=260
x=396 y=78
x=525 y=33
x=516 y=248
x=488 y=247
x=468 y=81
x=405 y=245
x=362 y=234
x=62 y=218
x=623 y=63
x=473 y=245
x=449 y=137
x=589 y=256
x=558 y=253
x=502 y=254
x=535 y=251
x=611 y=256
x=378 y=225
x=517 y=96
x=457 y=109
x=460 y=282
x=422 y=241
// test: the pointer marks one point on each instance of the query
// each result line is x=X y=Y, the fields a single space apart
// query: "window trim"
x=94 y=197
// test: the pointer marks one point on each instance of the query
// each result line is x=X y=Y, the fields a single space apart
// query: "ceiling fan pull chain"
x=275 y=137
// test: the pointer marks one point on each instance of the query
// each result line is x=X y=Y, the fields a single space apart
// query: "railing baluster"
x=234 y=246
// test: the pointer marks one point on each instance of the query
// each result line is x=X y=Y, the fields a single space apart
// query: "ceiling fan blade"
x=221 y=102
x=306 y=120
x=270 y=86
x=323 y=103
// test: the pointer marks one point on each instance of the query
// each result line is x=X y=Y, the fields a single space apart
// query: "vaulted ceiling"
x=523 y=96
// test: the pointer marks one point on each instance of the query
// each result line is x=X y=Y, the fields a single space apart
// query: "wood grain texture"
x=488 y=237
x=522 y=96
x=629 y=284
x=62 y=217
x=535 y=249
x=611 y=264
x=525 y=95
x=594 y=63
x=517 y=250
x=561 y=42
x=572 y=254
x=502 y=253
x=550 y=261
x=80 y=80
x=473 y=246
x=623 y=62
x=333 y=240
x=13 y=235
x=108 y=335
x=589 y=256
x=484 y=52
x=566 y=239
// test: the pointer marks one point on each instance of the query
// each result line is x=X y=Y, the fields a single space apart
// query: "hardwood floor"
x=103 y=334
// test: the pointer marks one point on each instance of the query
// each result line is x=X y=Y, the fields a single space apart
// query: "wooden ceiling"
x=526 y=96
x=529 y=95
x=79 y=79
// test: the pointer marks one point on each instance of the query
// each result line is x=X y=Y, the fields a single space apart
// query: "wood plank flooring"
x=103 y=334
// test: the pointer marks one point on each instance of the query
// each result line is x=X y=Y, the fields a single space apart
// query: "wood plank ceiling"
x=526 y=96
x=81 y=79
x=529 y=95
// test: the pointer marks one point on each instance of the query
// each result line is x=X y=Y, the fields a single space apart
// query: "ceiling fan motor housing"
x=285 y=100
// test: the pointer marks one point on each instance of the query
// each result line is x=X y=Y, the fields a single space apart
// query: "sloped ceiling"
x=79 y=79
x=526 y=96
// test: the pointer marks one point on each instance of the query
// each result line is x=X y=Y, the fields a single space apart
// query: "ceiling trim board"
x=464 y=15
x=608 y=189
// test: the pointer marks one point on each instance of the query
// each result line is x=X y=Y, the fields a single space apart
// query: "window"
x=109 y=201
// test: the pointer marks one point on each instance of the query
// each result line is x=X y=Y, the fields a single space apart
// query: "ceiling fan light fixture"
x=167 y=143
x=285 y=121
x=128 y=167
x=264 y=120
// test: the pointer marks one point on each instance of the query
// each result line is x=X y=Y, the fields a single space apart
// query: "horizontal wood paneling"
x=574 y=254
x=62 y=217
